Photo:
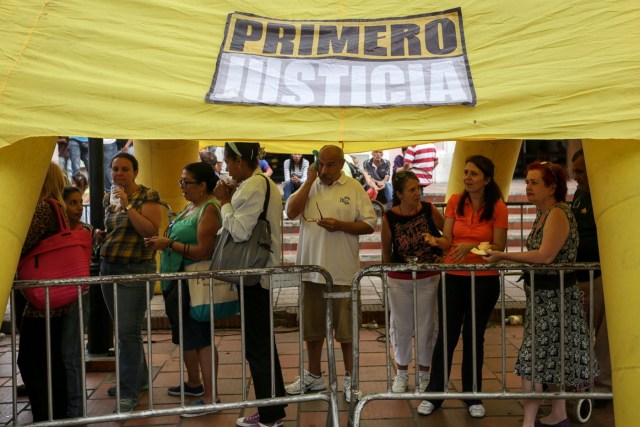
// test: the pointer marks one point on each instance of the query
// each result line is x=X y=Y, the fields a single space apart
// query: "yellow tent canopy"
x=136 y=69
x=141 y=69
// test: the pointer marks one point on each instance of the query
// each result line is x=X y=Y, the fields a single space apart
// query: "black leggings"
x=458 y=293
x=32 y=361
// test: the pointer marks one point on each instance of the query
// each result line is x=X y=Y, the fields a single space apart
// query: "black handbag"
x=252 y=253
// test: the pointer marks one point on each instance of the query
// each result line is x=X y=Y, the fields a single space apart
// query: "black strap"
x=265 y=206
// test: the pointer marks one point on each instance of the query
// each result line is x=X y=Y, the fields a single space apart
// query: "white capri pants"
x=401 y=328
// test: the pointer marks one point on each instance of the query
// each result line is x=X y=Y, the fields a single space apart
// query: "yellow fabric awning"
x=137 y=69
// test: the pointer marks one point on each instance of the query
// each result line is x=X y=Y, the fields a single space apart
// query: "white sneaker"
x=423 y=381
x=311 y=383
x=346 y=384
x=426 y=408
x=400 y=383
x=477 y=411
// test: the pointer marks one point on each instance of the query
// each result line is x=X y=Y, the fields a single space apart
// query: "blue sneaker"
x=197 y=403
x=196 y=391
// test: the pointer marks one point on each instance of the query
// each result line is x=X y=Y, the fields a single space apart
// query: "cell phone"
x=315 y=156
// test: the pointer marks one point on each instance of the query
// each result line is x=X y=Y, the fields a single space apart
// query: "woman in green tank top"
x=191 y=237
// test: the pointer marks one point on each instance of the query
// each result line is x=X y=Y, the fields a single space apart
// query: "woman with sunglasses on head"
x=133 y=215
x=476 y=215
x=404 y=227
x=241 y=208
x=553 y=239
x=191 y=237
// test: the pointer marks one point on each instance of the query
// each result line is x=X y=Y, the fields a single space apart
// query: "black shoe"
x=21 y=390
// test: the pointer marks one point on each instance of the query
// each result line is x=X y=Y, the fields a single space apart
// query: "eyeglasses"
x=184 y=182
x=313 y=219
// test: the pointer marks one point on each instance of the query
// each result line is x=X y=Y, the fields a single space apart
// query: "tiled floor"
x=372 y=372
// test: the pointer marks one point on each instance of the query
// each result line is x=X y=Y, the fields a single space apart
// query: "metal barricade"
x=579 y=400
x=87 y=418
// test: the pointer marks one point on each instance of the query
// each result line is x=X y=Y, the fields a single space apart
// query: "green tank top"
x=183 y=229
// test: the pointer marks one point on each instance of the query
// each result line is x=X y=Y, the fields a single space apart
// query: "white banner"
x=419 y=60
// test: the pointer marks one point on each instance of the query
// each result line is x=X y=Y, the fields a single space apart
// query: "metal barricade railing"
x=87 y=418
x=505 y=393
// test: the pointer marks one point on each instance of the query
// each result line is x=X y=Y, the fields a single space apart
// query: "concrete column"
x=503 y=152
x=161 y=163
x=613 y=171
x=23 y=166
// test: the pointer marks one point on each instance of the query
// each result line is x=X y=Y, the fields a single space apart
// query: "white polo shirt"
x=337 y=252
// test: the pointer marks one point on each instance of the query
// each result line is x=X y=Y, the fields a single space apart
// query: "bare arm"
x=146 y=222
x=437 y=216
x=385 y=235
x=556 y=231
x=208 y=227
x=356 y=227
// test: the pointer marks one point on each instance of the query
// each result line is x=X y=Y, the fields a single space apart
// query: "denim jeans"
x=290 y=188
x=132 y=305
x=388 y=192
x=78 y=150
x=109 y=151
x=71 y=359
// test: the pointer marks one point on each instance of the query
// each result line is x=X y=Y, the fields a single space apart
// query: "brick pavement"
x=308 y=414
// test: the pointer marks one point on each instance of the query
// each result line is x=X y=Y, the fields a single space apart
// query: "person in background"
x=553 y=239
x=76 y=212
x=379 y=169
x=64 y=160
x=403 y=230
x=241 y=208
x=109 y=149
x=32 y=355
x=398 y=161
x=582 y=209
x=422 y=160
x=266 y=169
x=71 y=347
x=191 y=237
x=476 y=215
x=295 y=174
x=334 y=210
x=362 y=177
x=125 y=145
x=123 y=251
x=78 y=150
x=81 y=183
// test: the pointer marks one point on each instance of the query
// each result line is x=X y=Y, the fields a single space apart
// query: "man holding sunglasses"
x=334 y=210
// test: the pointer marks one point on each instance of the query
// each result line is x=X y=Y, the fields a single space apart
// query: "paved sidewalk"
x=308 y=414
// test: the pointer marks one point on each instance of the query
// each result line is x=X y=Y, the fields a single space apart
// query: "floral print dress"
x=578 y=351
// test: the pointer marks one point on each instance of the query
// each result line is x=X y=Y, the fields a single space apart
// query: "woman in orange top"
x=476 y=215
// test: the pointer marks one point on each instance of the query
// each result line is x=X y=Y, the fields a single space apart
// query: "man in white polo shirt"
x=333 y=210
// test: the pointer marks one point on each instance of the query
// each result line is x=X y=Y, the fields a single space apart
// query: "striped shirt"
x=422 y=161
x=122 y=243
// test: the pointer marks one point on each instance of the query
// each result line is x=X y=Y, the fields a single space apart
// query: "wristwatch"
x=126 y=209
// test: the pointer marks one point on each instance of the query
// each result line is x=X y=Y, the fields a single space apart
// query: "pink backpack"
x=66 y=254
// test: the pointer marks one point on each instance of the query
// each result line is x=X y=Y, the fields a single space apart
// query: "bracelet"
x=170 y=244
x=185 y=250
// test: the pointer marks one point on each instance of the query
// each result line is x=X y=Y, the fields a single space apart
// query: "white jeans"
x=401 y=328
